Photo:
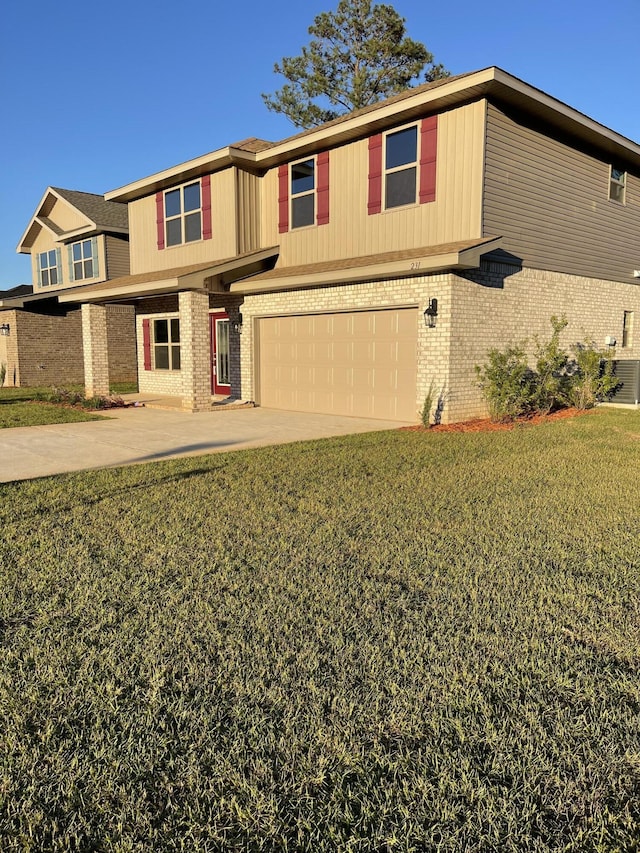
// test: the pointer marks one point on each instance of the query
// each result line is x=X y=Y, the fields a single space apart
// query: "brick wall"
x=49 y=348
x=121 y=336
x=499 y=304
x=478 y=310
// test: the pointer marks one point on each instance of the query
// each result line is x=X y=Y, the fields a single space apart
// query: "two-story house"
x=74 y=238
x=349 y=267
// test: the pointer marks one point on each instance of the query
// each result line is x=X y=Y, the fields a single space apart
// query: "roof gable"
x=71 y=213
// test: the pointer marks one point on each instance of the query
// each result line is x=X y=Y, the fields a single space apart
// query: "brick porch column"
x=95 y=350
x=195 y=360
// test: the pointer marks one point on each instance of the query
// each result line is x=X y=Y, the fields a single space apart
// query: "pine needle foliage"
x=359 y=55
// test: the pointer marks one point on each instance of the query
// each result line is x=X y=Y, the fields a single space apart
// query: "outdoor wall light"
x=5 y=329
x=430 y=314
x=237 y=325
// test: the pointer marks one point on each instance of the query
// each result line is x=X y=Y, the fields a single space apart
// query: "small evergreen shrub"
x=512 y=389
x=552 y=370
x=508 y=383
x=593 y=379
x=3 y=374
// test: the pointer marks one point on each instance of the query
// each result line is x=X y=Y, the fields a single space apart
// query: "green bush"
x=3 y=373
x=508 y=383
x=552 y=370
x=592 y=380
x=512 y=389
x=425 y=414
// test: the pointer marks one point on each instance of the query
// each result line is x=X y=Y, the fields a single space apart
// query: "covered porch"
x=187 y=331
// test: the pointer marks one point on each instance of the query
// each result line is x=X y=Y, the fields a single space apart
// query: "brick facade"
x=490 y=307
x=46 y=349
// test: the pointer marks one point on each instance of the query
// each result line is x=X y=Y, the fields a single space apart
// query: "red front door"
x=220 y=378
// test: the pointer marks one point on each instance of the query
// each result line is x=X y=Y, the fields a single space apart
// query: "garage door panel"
x=347 y=363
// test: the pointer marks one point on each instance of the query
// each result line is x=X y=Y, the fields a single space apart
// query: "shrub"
x=425 y=414
x=592 y=379
x=508 y=383
x=3 y=373
x=552 y=376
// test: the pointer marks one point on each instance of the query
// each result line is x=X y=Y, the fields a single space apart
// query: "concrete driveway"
x=136 y=435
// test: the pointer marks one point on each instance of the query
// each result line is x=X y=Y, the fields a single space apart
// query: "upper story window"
x=49 y=272
x=303 y=193
x=183 y=214
x=401 y=167
x=82 y=264
x=617 y=185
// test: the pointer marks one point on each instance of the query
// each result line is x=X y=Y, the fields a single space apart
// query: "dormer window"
x=82 y=260
x=49 y=272
x=183 y=214
x=617 y=185
x=401 y=167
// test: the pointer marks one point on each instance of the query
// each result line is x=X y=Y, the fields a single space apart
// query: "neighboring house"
x=74 y=238
x=350 y=267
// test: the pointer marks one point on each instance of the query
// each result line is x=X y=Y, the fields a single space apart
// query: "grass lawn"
x=25 y=407
x=389 y=642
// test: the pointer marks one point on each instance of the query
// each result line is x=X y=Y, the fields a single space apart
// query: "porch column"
x=95 y=350
x=195 y=360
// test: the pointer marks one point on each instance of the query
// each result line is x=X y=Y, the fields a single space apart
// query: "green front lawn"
x=396 y=641
x=29 y=407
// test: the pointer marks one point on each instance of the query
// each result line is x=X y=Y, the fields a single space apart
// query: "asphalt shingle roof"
x=105 y=214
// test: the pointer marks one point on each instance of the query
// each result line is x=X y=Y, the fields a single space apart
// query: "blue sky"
x=93 y=96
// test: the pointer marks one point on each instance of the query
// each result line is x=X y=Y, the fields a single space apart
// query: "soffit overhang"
x=406 y=263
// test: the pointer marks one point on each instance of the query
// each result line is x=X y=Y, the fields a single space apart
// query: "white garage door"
x=359 y=363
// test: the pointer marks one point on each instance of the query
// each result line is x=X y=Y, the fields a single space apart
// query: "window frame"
x=627 y=329
x=182 y=215
x=47 y=269
x=403 y=167
x=617 y=184
x=171 y=344
x=293 y=197
x=83 y=260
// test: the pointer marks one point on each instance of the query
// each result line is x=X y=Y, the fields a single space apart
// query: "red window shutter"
x=205 y=186
x=160 y=218
x=146 y=342
x=375 y=174
x=283 y=199
x=323 y=188
x=428 y=157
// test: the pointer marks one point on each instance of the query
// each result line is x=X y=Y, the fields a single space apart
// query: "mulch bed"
x=487 y=425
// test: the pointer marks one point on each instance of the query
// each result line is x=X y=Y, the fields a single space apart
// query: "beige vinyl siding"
x=45 y=242
x=144 y=253
x=66 y=217
x=551 y=203
x=248 y=194
x=454 y=215
x=117 y=256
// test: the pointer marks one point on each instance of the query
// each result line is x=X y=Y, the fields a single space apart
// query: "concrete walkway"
x=136 y=435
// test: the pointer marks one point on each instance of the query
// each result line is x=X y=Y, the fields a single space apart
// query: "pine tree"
x=360 y=55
